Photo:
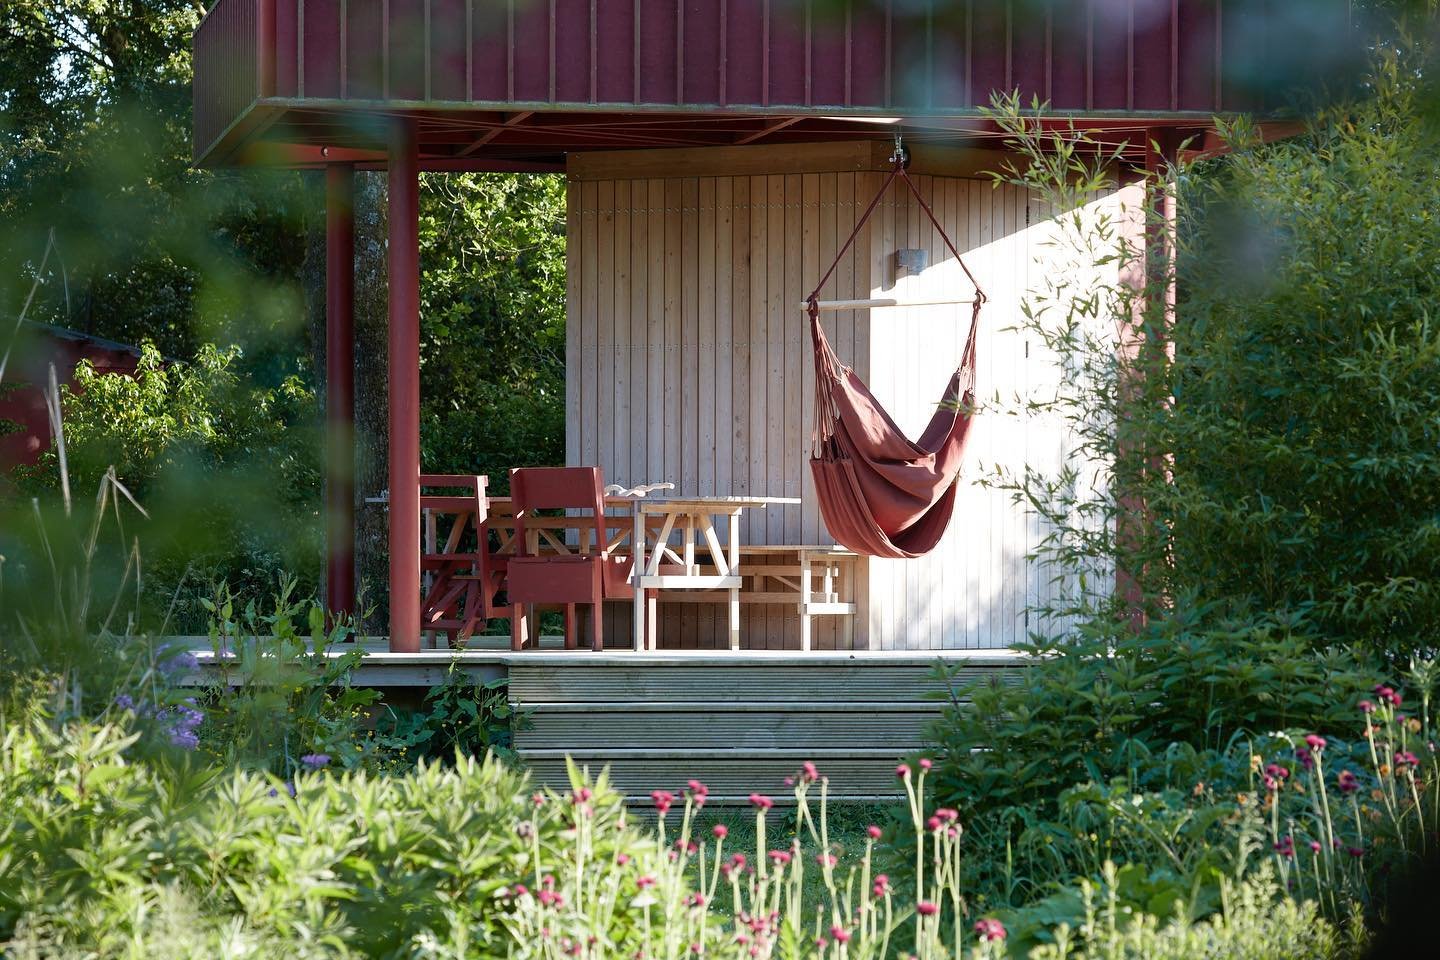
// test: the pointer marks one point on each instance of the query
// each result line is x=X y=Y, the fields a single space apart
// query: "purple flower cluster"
x=181 y=723
x=314 y=761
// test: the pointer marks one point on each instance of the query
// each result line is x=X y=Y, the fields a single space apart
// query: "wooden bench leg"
x=518 y=626
x=734 y=618
x=571 y=628
x=597 y=627
x=804 y=600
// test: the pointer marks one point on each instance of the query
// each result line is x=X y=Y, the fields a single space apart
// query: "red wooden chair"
x=465 y=576
x=586 y=571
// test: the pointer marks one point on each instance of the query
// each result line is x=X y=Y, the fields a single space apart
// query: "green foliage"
x=492 y=323
x=92 y=843
x=1138 y=706
x=460 y=715
x=281 y=688
x=230 y=471
x=1304 y=434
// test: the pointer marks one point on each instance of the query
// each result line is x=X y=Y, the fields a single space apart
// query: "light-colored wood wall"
x=689 y=361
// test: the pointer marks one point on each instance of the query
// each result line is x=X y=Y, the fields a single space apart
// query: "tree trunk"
x=371 y=390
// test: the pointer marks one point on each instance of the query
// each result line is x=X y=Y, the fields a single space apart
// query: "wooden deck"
x=739 y=721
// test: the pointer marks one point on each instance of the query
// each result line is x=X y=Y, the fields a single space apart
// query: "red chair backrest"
x=559 y=488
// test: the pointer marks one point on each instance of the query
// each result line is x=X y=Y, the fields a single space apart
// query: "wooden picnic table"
x=694 y=518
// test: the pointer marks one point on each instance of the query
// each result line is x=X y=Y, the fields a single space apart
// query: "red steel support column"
x=404 y=364
x=340 y=388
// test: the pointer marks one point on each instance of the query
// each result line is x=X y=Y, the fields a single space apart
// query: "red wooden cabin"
x=678 y=121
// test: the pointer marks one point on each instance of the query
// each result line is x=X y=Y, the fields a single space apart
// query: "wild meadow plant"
x=1331 y=812
x=693 y=897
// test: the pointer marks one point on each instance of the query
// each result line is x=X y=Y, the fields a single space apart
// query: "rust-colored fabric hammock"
x=882 y=494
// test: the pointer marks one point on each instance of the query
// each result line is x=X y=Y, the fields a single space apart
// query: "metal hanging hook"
x=900 y=155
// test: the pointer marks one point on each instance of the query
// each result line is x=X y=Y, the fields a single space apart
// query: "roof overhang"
x=518 y=84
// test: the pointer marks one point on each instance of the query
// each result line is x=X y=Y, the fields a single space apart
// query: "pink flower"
x=721 y=831
x=1315 y=742
x=925 y=763
x=761 y=802
x=519 y=890
x=538 y=799
x=990 y=930
x=840 y=934
x=948 y=815
x=1387 y=694
x=881 y=885
x=1347 y=782
x=622 y=858
x=1366 y=706
x=663 y=799
x=821 y=943
x=1276 y=771
x=1315 y=846
x=808 y=772
x=926 y=909
x=902 y=771
x=825 y=859
x=1303 y=756
x=696 y=900
x=873 y=831
x=1285 y=846
x=933 y=824
x=1405 y=760
x=645 y=882
x=779 y=857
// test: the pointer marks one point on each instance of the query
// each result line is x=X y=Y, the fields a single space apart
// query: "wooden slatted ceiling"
x=701 y=375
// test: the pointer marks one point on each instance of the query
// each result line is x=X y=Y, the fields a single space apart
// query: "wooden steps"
x=739 y=723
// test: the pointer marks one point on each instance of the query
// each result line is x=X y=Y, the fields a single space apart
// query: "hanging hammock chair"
x=882 y=494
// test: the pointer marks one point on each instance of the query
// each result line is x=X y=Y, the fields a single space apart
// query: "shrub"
x=228 y=469
x=351 y=865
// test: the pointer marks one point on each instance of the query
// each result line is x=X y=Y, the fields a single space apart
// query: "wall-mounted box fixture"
x=912 y=261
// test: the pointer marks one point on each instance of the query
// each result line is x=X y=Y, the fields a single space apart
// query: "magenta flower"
x=645 y=881
x=808 y=772
x=1347 y=782
x=1387 y=694
x=926 y=909
x=1366 y=706
x=1302 y=755
x=1356 y=852
x=1405 y=760
x=825 y=859
x=1276 y=771
x=821 y=943
x=873 y=831
x=1315 y=742
x=721 y=831
x=840 y=934
x=779 y=857
x=663 y=799
x=902 y=771
x=761 y=802
x=933 y=824
x=1285 y=846
x=1315 y=847
x=622 y=858
x=881 y=885
x=990 y=930
x=925 y=763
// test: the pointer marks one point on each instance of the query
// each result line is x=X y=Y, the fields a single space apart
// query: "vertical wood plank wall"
x=689 y=361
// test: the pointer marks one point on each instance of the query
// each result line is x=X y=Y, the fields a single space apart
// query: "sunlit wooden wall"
x=688 y=360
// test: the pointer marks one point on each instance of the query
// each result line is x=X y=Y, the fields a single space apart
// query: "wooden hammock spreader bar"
x=831 y=306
